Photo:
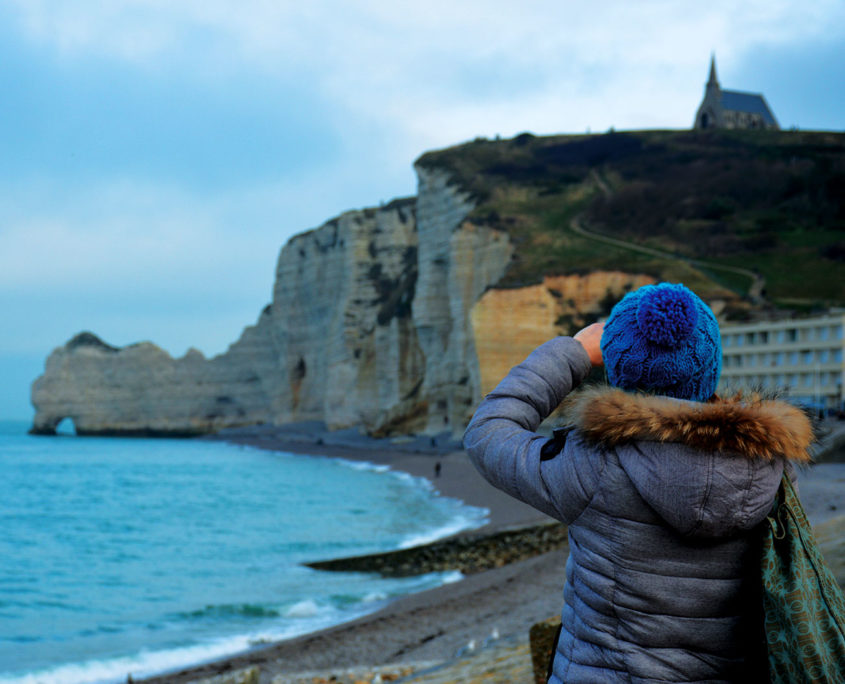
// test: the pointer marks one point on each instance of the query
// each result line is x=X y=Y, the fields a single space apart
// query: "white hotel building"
x=802 y=356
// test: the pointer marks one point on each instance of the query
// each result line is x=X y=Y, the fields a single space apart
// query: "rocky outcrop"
x=469 y=553
x=140 y=390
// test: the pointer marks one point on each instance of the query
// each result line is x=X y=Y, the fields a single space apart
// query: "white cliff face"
x=341 y=323
x=368 y=325
x=458 y=261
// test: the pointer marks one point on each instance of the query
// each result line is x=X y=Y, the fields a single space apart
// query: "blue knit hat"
x=665 y=339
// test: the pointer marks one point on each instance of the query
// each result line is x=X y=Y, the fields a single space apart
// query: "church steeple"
x=713 y=82
x=731 y=108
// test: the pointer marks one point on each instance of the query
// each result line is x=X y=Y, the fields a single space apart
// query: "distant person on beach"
x=663 y=485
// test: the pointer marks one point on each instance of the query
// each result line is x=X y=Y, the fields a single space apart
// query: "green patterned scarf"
x=804 y=606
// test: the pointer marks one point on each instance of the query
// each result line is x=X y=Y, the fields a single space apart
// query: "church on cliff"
x=732 y=108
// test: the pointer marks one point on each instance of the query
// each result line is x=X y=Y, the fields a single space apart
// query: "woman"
x=662 y=485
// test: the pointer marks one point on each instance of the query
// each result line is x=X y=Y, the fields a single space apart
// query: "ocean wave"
x=452 y=577
x=148 y=663
x=307 y=608
x=143 y=664
x=459 y=523
x=299 y=618
x=302 y=617
x=229 y=610
x=363 y=465
x=417 y=480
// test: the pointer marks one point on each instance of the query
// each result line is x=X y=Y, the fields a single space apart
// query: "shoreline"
x=426 y=628
x=429 y=628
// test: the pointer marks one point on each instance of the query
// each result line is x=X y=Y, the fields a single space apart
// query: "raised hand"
x=590 y=339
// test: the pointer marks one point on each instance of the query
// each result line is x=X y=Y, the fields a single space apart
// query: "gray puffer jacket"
x=662 y=498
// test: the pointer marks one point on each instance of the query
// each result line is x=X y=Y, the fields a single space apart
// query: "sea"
x=139 y=556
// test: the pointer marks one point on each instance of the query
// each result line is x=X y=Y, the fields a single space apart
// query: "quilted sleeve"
x=502 y=443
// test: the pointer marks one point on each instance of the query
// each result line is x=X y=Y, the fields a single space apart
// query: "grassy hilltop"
x=770 y=203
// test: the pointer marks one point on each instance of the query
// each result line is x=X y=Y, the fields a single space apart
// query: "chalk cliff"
x=369 y=325
x=387 y=318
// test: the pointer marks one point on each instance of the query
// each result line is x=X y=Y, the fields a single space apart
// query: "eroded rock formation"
x=368 y=325
x=379 y=318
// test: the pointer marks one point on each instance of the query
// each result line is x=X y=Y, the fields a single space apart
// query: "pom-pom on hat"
x=663 y=338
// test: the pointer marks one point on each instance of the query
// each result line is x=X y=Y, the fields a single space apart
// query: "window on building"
x=837 y=356
x=806 y=356
x=793 y=358
x=763 y=337
x=824 y=355
x=780 y=358
x=749 y=338
x=838 y=332
x=791 y=335
x=781 y=335
x=822 y=332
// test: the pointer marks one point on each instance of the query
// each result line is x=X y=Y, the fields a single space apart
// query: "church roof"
x=747 y=102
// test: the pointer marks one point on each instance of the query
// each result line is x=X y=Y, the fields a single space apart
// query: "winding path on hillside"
x=755 y=290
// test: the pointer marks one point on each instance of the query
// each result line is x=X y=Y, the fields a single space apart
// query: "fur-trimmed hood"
x=749 y=426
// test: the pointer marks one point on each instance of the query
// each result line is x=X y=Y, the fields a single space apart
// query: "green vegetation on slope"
x=769 y=201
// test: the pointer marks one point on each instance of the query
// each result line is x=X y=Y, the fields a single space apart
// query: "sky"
x=155 y=155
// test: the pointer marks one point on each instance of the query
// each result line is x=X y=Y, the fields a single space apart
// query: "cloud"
x=408 y=65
